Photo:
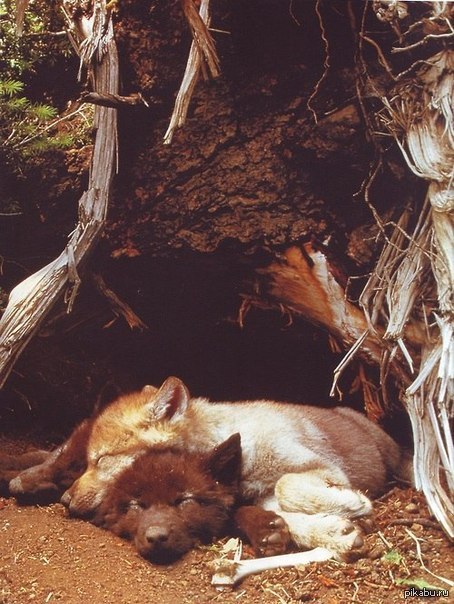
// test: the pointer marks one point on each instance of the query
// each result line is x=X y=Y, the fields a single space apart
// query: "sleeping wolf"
x=311 y=466
x=167 y=501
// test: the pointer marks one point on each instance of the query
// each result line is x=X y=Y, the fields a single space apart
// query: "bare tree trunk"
x=31 y=300
x=416 y=264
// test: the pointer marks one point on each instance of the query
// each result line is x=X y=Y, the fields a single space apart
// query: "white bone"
x=229 y=572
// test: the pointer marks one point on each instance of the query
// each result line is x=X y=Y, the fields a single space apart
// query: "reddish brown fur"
x=48 y=480
x=12 y=465
x=266 y=531
x=168 y=501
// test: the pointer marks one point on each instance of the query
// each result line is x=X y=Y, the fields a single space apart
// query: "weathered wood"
x=201 y=47
x=30 y=301
x=304 y=282
x=198 y=22
x=417 y=265
x=113 y=100
x=118 y=306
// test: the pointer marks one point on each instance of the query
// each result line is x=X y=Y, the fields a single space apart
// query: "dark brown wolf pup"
x=168 y=501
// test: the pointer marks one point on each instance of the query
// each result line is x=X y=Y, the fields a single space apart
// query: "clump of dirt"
x=45 y=556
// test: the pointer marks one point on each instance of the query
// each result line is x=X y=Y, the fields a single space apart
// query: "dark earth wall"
x=274 y=153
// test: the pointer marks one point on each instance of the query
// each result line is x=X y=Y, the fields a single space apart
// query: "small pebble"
x=305 y=596
x=416 y=527
x=376 y=552
x=412 y=508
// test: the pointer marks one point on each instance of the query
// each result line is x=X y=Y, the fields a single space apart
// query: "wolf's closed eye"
x=134 y=504
x=185 y=499
x=102 y=461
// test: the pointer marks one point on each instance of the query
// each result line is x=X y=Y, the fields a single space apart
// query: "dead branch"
x=381 y=57
x=113 y=100
x=193 y=67
x=118 y=306
x=31 y=301
x=425 y=522
x=43 y=34
x=201 y=36
x=304 y=283
x=421 y=561
x=415 y=272
x=425 y=40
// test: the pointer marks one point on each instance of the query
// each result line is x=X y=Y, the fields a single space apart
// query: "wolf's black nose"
x=156 y=534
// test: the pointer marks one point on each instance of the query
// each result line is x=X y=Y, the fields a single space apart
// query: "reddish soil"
x=47 y=557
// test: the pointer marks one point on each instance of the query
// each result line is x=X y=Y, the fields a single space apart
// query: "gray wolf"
x=315 y=468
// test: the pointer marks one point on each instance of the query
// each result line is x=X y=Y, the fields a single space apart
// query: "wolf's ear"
x=149 y=390
x=224 y=463
x=170 y=401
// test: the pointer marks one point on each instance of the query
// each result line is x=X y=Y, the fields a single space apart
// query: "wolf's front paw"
x=273 y=537
x=266 y=531
x=336 y=533
x=45 y=491
x=343 y=537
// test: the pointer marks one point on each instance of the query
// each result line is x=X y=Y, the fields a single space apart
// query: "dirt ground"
x=47 y=557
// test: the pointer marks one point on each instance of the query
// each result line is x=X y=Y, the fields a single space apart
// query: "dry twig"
x=421 y=561
x=202 y=49
x=118 y=306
